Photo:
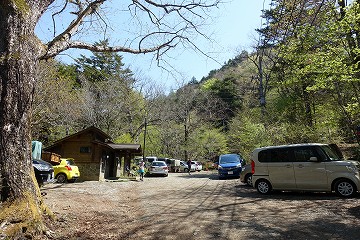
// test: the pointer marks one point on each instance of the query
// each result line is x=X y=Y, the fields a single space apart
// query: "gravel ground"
x=197 y=206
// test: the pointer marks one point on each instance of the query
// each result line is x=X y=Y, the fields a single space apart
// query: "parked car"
x=167 y=161
x=66 y=171
x=229 y=165
x=174 y=165
x=158 y=168
x=44 y=171
x=183 y=167
x=197 y=166
x=246 y=175
x=304 y=167
x=149 y=160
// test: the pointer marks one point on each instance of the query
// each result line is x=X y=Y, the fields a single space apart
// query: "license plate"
x=230 y=172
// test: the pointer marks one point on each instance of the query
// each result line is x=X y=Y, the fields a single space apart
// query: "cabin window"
x=85 y=149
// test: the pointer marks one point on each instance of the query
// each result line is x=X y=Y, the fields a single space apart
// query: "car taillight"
x=68 y=167
x=252 y=167
x=165 y=167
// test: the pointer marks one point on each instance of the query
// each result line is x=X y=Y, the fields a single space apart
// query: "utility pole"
x=144 y=144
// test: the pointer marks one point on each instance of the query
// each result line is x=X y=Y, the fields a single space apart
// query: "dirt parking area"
x=197 y=206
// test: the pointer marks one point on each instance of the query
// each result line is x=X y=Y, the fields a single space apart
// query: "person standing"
x=189 y=166
x=142 y=169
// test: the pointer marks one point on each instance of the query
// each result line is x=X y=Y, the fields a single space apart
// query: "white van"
x=149 y=160
x=304 y=167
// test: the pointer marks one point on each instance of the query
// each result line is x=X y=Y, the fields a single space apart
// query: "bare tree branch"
x=56 y=13
x=61 y=42
x=161 y=39
x=64 y=45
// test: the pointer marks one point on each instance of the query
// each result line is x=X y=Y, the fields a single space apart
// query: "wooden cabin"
x=97 y=157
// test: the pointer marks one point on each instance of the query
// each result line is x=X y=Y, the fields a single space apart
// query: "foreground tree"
x=21 y=206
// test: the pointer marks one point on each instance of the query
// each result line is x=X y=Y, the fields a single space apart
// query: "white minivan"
x=304 y=167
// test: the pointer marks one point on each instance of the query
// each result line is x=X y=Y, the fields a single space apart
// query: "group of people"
x=141 y=170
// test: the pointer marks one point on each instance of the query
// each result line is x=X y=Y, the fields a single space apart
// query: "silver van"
x=304 y=167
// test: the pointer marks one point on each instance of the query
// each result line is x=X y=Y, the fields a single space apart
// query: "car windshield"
x=158 y=164
x=229 y=158
x=332 y=155
x=150 y=159
x=38 y=161
x=70 y=162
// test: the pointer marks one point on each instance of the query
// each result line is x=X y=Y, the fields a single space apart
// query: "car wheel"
x=345 y=188
x=186 y=170
x=263 y=186
x=61 y=178
x=248 y=179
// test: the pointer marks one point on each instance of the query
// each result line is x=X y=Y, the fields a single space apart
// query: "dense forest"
x=300 y=83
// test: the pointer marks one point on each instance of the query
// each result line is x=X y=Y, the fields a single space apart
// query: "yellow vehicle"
x=66 y=171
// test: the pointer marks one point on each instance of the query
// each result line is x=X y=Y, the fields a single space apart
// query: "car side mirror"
x=313 y=159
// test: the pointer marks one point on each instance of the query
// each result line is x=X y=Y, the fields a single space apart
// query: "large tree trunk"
x=21 y=209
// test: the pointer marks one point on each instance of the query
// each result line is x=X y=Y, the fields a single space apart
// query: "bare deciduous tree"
x=170 y=24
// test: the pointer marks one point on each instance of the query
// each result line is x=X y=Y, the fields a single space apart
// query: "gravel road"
x=197 y=206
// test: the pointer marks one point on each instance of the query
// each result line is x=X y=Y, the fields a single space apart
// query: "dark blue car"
x=230 y=165
x=44 y=171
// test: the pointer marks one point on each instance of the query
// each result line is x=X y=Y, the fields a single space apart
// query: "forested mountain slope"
x=301 y=83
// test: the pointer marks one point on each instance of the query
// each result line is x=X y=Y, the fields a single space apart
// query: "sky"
x=233 y=30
